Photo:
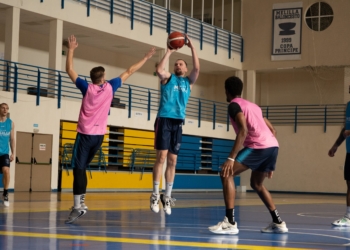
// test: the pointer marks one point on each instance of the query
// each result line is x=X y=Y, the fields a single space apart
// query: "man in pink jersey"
x=92 y=123
x=255 y=148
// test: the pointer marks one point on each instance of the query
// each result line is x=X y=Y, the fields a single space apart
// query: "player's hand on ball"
x=189 y=42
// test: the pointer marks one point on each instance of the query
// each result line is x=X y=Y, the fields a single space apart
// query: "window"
x=319 y=16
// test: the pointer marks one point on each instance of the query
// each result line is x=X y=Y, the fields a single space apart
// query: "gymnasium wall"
x=329 y=47
x=303 y=163
x=300 y=87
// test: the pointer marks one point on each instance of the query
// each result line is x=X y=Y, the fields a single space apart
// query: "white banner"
x=286 y=31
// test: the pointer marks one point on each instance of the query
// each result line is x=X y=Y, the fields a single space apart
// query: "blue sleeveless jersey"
x=174 y=97
x=5 y=131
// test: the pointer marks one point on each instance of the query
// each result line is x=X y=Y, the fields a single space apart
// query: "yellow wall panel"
x=69 y=126
x=112 y=180
x=138 y=133
x=138 y=141
x=67 y=134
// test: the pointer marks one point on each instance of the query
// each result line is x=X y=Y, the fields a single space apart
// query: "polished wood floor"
x=124 y=221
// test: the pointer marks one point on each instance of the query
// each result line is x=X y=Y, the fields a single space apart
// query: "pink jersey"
x=94 y=109
x=259 y=135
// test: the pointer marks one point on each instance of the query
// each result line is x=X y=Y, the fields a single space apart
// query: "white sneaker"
x=82 y=202
x=224 y=227
x=343 y=222
x=275 y=228
x=6 y=200
x=167 y=203
x=154 y=202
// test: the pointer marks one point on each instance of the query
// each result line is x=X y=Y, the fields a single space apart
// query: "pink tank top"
x=94 y=109
x=259 y=135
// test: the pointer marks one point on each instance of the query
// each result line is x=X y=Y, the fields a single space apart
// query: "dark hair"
x=96 y=74
x=181 y=60
x=4 y=104
x=234 y=86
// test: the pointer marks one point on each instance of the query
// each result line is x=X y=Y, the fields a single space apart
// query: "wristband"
x=231 y=159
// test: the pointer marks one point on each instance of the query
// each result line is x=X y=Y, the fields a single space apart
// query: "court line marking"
x=212 y=236
x=141 y=241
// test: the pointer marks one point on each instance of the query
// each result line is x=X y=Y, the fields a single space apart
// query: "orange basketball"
x=176 y=40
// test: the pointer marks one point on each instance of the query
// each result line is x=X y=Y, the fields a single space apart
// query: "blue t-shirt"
x=5 y=132
x=174 y=97
x=83 y=84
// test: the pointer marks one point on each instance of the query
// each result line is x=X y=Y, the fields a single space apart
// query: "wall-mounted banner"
x=286 y=31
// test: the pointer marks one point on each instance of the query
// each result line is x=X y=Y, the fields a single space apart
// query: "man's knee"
x=5 y=171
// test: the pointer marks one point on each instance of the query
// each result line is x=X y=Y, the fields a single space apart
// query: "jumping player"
x=92 y=123
x=175 y=92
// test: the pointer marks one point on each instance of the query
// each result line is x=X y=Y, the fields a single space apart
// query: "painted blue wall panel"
x=191 y=181
x=1 y=183
x=191 y=139
x=222 y=148
x=228 y=143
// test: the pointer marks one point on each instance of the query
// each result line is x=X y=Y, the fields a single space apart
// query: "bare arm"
x=195 y=71
x=272 y=129
x=163 y=74
x=132 y=69
x=240 y=138
x=12 y=142
x=72 y=45
x=337 y=143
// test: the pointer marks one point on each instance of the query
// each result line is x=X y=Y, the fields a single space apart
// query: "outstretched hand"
x=72 y=42
x=150 y=53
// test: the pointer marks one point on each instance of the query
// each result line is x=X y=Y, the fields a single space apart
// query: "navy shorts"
x=4 y=162
x=262 y=160
x=168 y=134
x=84 y=150
x=347 y=167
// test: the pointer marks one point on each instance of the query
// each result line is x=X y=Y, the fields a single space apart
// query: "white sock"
x=168 y=189
x=77 y=201
x=156 y=187
x=348 y=212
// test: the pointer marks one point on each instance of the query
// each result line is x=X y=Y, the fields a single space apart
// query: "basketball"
x=176 y=40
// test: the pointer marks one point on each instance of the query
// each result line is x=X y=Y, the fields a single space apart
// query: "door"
x=23 y=161
x=33 y=162
x=41 y=167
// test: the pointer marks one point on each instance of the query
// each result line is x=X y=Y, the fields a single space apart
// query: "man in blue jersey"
x=175 y=92
x=7 y=136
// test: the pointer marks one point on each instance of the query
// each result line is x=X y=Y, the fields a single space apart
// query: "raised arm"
x=72 y=45
x=163 y=74
x=12 y=142
x=272 y=129
x=132 y=69
x=195 y=71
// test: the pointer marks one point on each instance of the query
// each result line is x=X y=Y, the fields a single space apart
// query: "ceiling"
x=41 y=24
